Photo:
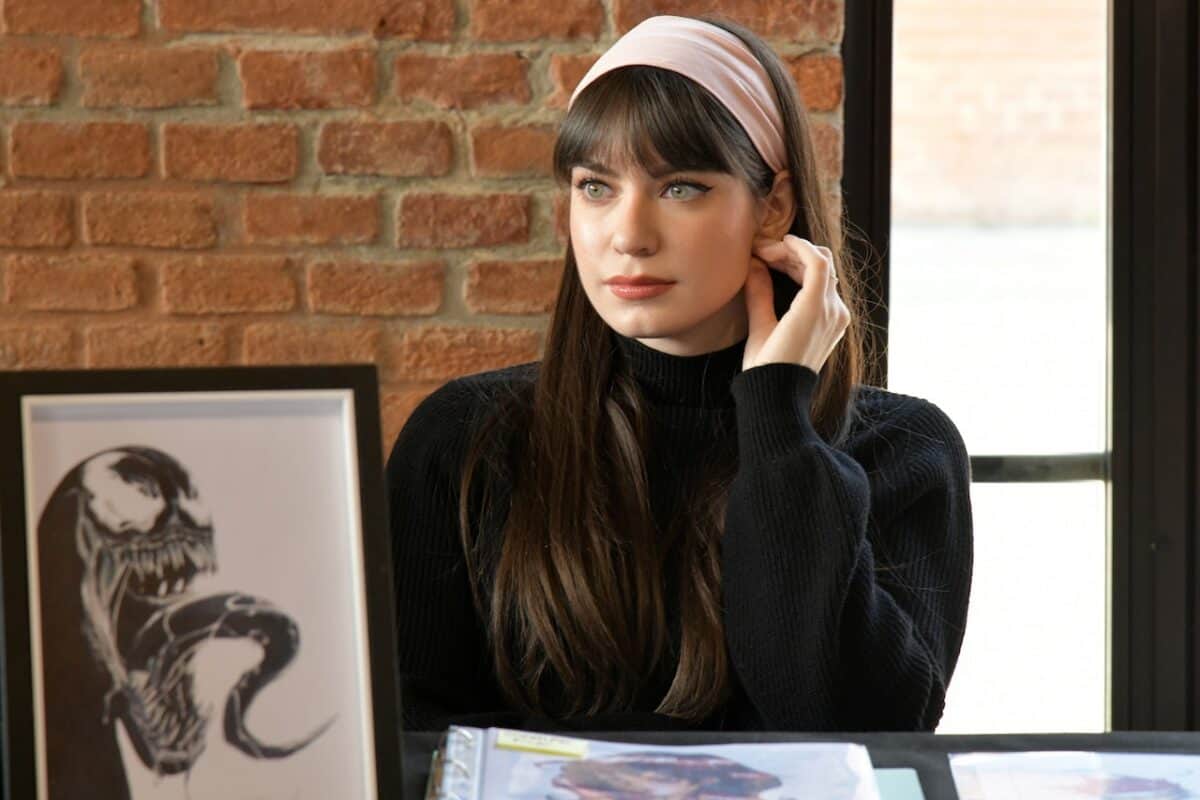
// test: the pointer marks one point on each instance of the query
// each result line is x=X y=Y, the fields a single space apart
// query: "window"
x=998 y=313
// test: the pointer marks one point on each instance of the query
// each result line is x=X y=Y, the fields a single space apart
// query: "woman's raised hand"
x=817 y=318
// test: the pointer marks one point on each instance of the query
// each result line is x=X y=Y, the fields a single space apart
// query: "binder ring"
x=454 y=762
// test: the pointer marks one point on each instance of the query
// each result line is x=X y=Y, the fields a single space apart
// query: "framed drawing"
x=197 y=596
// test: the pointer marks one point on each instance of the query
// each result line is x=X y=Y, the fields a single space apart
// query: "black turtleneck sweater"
x=845 y=570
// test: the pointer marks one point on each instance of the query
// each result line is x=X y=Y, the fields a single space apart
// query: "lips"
x=637 y=280
x=639 y=291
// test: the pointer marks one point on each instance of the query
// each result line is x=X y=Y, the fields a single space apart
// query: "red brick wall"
x=211 y=182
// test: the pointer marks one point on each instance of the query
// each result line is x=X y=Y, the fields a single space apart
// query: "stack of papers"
x=480 y=764
x=1068 y=775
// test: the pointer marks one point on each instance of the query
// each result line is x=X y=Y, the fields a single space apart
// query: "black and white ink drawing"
x=120 y=541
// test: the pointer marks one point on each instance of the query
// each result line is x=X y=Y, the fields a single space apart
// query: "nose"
x=635 y=225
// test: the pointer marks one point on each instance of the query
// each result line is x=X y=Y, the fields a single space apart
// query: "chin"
x=646 y=329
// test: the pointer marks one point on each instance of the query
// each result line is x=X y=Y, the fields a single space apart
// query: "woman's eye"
x=686 y=186
x=585 y=185
x=679 y=190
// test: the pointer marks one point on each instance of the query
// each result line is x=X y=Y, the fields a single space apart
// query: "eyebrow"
x=655 y=172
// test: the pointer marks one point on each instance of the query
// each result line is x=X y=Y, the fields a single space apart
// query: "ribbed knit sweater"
x=845 y=570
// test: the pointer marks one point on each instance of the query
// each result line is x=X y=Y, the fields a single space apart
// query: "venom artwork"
x=120 y=541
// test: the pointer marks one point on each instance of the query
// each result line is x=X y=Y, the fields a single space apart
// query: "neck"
x=696 y=380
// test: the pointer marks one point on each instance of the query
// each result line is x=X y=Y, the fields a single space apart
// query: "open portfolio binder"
x=482 y=764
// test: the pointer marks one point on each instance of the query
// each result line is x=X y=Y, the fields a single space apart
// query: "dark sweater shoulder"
x=466 y=391
x=442 y=420
x=889 y=425
x=469 y=391
x=875 y=404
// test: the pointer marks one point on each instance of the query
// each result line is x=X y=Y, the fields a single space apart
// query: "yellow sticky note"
x=542 y=743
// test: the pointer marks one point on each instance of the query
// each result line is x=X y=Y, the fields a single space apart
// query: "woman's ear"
x=778 y=208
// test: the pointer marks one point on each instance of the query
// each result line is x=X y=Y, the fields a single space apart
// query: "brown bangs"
x=635 y=114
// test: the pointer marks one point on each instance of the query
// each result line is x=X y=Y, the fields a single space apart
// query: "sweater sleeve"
x=822 y=633
x=441 y=651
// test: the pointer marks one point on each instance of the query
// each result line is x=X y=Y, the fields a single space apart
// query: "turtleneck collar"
x=699 y=381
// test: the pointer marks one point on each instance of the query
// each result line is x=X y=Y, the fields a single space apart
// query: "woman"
x=690 y=513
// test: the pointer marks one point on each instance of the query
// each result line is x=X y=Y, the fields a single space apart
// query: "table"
x=925 y=752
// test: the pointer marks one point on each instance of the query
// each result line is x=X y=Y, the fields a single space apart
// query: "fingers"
x=807 y=264
x=825 y=251
x=816 y=321
x=832 y=284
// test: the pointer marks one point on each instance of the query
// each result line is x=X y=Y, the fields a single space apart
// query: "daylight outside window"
x=998 y=313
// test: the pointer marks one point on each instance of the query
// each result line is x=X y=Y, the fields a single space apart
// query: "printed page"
x=1075 y=776
x=526 y=766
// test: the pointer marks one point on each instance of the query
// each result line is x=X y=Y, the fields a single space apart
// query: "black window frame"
x=1150 y=464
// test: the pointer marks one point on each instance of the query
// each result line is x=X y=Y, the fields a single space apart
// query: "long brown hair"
x=573 y=591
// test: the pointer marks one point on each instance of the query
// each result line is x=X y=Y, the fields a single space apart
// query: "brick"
x=73 y=282
x=562 y=216
x=292 y=343
x=360 y=287
x=512 y=150
x=35 y=347
x=512 y=287
x=30 y=75
x=827 y=144
x=431 y=20
x=224 y=284
x=396 y=149
x=311 y=219
x=150 y=344
x=443 y=352
x=109 y=18
x=461 y=82
x=443 y=220
x=80 y=150
x=535 y=20
x=323 y=79
x=819 y=80
x=35 y=219
x=134 y=76
x=566 y=71
x=793 y=20
x=150 y=219
x=248 y=153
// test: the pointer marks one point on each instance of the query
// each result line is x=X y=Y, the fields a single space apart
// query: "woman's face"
x=693 y=229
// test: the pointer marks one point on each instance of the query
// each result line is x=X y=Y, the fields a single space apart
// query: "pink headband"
x=713 y=58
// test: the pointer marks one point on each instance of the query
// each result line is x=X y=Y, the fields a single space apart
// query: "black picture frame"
x=205 y=388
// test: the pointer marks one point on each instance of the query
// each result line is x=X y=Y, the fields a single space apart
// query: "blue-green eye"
x=685 y=185
x=585 y=185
